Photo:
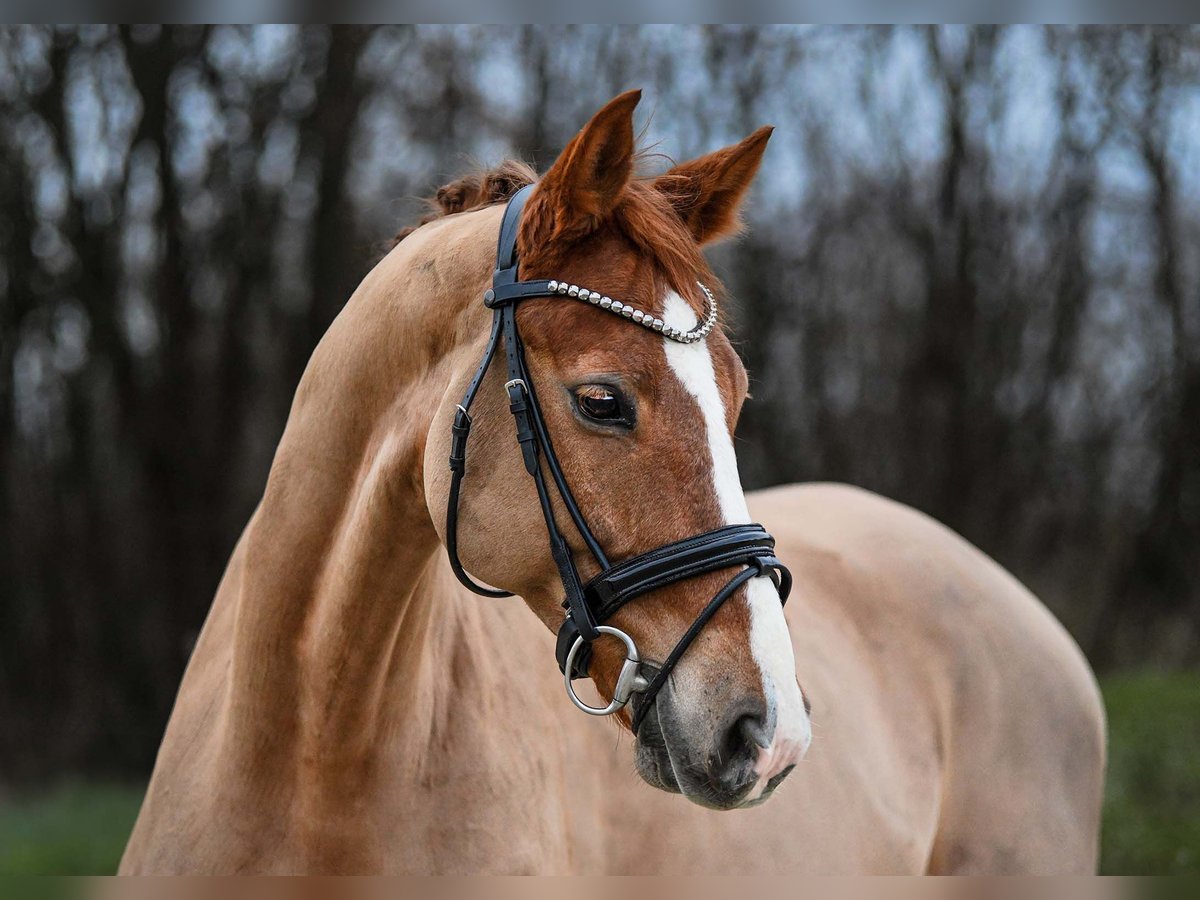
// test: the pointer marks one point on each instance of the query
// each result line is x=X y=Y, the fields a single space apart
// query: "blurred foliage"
x=77 y=828
x=1152 y=806
x=1151 y=811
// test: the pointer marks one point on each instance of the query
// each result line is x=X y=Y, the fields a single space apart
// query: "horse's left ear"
x=585 y=182
x=708 y=191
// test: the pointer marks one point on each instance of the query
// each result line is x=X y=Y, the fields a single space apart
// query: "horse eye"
x=600 y=403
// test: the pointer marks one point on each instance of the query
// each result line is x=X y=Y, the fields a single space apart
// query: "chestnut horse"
x=349 y=707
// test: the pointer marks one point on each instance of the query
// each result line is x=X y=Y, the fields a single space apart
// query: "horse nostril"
x=752 y=731
x=739 y=746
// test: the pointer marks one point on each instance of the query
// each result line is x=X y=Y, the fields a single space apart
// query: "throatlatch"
x=589 y=606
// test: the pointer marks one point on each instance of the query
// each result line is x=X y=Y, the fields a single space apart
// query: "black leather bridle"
x=589 y=605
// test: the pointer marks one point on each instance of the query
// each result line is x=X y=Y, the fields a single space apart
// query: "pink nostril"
x=776 y=759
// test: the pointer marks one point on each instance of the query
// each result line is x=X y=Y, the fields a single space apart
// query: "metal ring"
x=629 y=681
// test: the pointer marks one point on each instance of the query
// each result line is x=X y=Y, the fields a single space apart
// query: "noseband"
x=589 y=605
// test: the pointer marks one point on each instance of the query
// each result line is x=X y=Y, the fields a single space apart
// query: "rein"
x=589 y=605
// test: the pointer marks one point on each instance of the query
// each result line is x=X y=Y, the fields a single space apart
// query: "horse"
x=351 y=707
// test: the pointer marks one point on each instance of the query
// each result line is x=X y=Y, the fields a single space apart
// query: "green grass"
x=1152 y=805
x=74 y=829
x=1151 y=809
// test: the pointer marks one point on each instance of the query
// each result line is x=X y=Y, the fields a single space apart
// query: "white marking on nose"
x=770 y=642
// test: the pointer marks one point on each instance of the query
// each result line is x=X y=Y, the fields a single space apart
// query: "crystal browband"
x=595 y=298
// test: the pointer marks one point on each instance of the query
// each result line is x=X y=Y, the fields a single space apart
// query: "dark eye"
x=601 y=404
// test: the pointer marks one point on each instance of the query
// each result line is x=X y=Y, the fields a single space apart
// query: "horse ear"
x=589 y=175
x=708 y=191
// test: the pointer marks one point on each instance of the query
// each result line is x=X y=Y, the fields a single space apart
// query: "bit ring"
x=629 y=681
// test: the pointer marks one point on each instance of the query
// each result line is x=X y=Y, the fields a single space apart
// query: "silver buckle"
x=514 y=382
x=629 y=682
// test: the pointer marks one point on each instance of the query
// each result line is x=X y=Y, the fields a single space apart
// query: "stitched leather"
x=697 y=554
x=722 y=548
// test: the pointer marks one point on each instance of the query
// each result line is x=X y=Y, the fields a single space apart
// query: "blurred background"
x=971 y=282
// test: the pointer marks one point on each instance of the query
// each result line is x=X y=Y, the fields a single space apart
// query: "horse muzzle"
x=722 y=761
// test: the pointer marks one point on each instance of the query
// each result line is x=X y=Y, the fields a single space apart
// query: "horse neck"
x=332 y=640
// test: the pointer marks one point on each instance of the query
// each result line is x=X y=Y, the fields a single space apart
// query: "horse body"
x=349 y=707
x=928 y=757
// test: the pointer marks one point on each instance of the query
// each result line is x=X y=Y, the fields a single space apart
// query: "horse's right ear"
x=587 y=179
x=708 y=192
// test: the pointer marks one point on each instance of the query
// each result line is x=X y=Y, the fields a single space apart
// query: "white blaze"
x=770 y=642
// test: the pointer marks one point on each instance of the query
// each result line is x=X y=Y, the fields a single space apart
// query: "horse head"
x=640 y=421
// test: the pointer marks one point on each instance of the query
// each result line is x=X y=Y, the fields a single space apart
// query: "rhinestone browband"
x=642 y=318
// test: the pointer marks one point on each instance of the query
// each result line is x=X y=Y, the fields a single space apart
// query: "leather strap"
x=722 y=548
x=510 y=227
x=532 y=435
x=528 y=416
x=646 y=700
x=505 y=294
x=460 y=431
x=717 y=549
x=505 y=274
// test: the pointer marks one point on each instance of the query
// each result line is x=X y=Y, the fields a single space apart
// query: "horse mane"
x=472 y=191
x=644 y=215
